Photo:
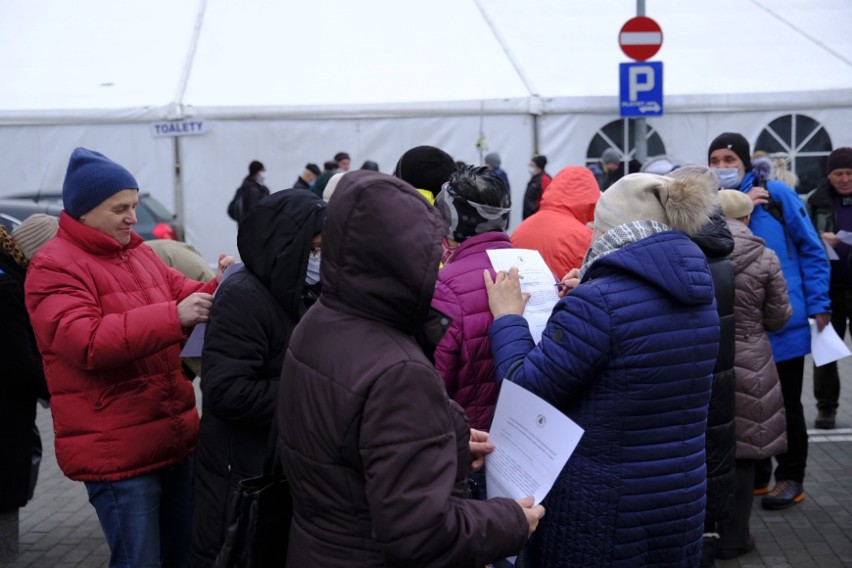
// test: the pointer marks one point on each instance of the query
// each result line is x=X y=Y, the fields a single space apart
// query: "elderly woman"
x=475 y=207
x=628 y=355
x=375 y=452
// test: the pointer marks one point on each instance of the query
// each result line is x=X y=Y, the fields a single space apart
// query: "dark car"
x=14 y=211
x=154 y=220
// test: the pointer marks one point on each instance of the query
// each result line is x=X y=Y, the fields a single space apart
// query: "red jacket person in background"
x=109 y=316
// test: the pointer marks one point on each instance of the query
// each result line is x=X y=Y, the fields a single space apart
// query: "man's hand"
x=831 y=239
x=822 y=320
x=504 y=293
x=194 y=309
x=479 y=447
x=758 y=195
x=533 y=513
x=224 y=262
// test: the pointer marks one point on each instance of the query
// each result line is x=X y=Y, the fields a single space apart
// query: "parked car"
x=154 y=220
x=14 y=211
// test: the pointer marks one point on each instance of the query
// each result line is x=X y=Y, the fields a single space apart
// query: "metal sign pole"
x=640 y=132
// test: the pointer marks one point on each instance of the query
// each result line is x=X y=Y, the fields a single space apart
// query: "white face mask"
x=729 y=178
x=313 y=274
x=532 y=170
x=260 y=179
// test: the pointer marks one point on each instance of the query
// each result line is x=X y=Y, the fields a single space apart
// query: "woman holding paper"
x=628 y=355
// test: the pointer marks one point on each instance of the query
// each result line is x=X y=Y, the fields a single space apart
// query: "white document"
x=536 y=279
x=532 y=443
x=826 y=345
x=845 y=237
x=829 y=251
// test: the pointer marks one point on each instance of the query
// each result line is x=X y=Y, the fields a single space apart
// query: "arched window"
x=621 y=136
x=804 y=141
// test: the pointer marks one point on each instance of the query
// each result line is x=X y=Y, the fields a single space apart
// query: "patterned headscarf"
x=7 y=245
x=464 y=219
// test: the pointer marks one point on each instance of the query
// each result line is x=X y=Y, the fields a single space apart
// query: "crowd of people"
x=360 y=344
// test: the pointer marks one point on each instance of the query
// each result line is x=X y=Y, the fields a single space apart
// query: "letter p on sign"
x=641 y=79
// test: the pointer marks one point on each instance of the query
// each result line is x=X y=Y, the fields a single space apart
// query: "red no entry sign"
x=640 y=38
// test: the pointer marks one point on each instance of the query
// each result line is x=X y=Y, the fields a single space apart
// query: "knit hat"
x=840 y=158
x=36 y=230
x=370 y=165
x=331 y=186
x=425 y=167
x=493 y=159
x=610 y=156
x=735 y=203
x=255 y=167
x=91 y=179
x=734 y=142
x=540 y=162
x=684 y=204
x=341 y=156
x=313 y=168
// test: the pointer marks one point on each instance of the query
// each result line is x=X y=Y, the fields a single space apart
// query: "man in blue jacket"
x=780 y=219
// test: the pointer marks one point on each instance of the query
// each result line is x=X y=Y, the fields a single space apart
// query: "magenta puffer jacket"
x=463 y=357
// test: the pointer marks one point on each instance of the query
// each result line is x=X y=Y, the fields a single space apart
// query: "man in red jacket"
x=109 y=317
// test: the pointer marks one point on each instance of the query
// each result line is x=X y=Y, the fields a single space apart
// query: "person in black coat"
x=717 y=243
x=21 y=384
x=535 y=187
x=254 y=312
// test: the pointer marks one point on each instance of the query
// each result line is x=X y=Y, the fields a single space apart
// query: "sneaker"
x=729 y=553
x=825 y=419
x=785 y=494
x=761 y=490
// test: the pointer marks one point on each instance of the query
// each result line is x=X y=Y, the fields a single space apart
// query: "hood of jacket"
x=748 y=246
x=574 y=190
x=381 y=249
x=668 y=260
x=715 y=237
x=274 y=242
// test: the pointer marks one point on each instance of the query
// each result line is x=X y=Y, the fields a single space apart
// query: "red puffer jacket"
x=105 y=319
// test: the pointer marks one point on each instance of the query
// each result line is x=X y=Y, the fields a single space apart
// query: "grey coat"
x=760 y=304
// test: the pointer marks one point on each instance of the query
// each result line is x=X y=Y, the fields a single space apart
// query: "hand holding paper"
x=826 y=345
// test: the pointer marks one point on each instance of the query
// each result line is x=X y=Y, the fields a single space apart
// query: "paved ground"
x=59 y=528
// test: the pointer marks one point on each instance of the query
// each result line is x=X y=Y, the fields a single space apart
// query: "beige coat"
x=760 y=304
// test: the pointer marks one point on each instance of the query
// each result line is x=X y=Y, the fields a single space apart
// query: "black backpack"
x=235 y=207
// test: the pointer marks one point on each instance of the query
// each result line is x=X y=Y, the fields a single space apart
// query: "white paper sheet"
x=845 y=237
x=826 y=345
x=536 y=279
x=532 y=443
x=829 y=251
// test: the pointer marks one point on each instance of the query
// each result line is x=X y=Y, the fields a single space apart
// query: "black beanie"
x=255 y=167
x=840 y=158
x=313 y=168
x=540 y=161
x=734 y=142
x=341 y=156
x=425 y=167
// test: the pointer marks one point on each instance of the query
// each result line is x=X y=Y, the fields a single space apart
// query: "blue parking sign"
x=641 y=89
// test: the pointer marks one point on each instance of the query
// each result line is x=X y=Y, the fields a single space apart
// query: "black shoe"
x=825 y=419
x=785 y=494
x=708 y=554
x=728 y=553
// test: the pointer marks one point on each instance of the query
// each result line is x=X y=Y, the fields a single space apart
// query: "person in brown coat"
x=376 y=453
x=760 y=304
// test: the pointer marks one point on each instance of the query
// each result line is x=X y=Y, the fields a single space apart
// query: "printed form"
x=536 y=279
x=532 y=443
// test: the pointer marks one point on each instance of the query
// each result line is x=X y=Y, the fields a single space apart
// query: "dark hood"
x=381 y=249
x=274 y=241
x=715 y=238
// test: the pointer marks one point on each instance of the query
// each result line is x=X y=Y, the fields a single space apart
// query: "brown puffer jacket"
x=760 y=304
x=375 y=451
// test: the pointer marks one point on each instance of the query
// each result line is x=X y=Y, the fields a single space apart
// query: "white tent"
x=289 y=83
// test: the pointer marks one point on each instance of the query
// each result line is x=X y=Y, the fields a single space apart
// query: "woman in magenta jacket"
x=475 y=207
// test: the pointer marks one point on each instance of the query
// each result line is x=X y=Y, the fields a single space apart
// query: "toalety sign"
x=179 y=128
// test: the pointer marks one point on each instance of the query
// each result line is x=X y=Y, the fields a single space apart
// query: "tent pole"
x=535 y=135
x=180 y=213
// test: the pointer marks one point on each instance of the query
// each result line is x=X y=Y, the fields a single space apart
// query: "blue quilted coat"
x=629 y=356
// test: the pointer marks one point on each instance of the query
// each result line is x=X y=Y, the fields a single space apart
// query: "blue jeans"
x=147 y=520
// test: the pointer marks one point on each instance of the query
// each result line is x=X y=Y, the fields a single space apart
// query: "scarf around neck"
x=619 y=237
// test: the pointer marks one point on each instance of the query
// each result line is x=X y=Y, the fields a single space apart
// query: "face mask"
x=312 y=183
x=531 y=170
x=261 y=179
x=729 y=178
x=313 y=274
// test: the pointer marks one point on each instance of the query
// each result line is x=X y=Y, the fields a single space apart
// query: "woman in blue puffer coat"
x=628 y=355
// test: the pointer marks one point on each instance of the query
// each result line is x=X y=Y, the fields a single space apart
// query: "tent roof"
x=143 y=60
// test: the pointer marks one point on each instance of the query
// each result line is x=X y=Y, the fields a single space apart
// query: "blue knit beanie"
x=91 y=179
